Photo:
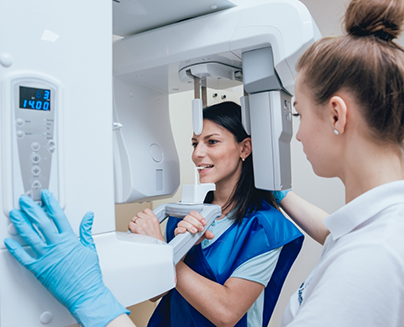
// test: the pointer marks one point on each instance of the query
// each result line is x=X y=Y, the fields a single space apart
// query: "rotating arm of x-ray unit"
x=258 y=46
x=182 y=243
x=266 y=112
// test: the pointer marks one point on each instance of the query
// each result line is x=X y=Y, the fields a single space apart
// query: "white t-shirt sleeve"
x=260 y=268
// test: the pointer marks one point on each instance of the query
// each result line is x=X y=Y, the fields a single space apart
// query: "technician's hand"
x=193 y=223
x=66 y=266
x=146 y=223
x=279 y=195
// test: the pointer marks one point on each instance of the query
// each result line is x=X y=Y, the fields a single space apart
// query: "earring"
x=336 y=132
x=242 y=158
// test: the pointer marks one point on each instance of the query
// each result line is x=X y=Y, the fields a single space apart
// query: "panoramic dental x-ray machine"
x=95 y=139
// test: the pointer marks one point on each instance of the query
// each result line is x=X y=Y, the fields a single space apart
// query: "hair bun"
x=381 y=18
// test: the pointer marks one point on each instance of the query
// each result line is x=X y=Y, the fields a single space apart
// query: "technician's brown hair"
x=365 y=62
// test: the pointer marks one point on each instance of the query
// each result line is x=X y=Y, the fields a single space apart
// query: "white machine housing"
x=146 y=163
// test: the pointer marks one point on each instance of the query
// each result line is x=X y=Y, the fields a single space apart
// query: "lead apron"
x=260 y=232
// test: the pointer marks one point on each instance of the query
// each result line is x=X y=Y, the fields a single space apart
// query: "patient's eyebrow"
x=210 y=135
x=207 y=136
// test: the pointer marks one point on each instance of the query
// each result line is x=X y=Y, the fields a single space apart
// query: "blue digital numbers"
x=36 y=99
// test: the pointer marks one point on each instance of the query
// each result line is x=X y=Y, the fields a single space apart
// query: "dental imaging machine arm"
x=258 y=46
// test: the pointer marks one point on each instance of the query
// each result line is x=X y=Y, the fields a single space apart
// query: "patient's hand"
x=193 y=223
x=146 y=223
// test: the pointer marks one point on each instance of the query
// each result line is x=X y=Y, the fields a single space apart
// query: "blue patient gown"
x=258 y=233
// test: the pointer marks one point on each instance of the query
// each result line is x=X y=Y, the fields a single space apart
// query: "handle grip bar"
x=182 y=243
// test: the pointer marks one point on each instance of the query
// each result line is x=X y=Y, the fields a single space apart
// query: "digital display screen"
x=36 y=99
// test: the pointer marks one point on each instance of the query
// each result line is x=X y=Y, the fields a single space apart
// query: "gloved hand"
x=66 y=266
x=279 y=195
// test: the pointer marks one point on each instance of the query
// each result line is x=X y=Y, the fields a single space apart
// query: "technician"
x=350 y=98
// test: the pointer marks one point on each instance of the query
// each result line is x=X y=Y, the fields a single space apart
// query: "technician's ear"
x=246 y=148
x=338 y=114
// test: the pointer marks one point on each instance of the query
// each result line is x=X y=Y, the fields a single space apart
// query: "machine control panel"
x=35 y=142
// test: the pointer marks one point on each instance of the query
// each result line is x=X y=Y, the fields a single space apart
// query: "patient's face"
x=217 y=151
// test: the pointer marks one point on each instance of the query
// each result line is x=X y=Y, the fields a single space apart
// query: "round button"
x=45 y=318
x=35 y=146
x=36 y=185
x=35 y=157
x=51 y=149
x=20 y=134
x=35 y=170
x=29 y=193
x=12 y=230
x=20 y=122
x=156 y=153
x=6 y=60
x=51 y=143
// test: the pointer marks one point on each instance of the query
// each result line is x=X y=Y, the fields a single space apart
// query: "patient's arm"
x=306 y=215
x=121 y=321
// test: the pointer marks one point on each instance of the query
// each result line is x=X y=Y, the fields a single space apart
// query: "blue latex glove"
x=279 y=195
x=66 y=266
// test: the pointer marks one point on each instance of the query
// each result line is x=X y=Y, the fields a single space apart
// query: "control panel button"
x=20 y=134
x=35 y=157
x=35 y=146
x=36 y=171
x=46 y=318
x=30 y=194
x=20 y=122
x=36 y=185
x=51 y=143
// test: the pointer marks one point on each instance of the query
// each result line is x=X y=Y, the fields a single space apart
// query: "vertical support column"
x=197 y=116
x=204 y=96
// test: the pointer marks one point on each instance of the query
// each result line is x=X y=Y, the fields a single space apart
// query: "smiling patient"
x=234 y=277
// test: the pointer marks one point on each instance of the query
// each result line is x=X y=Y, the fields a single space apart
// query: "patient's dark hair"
x=245 y=197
